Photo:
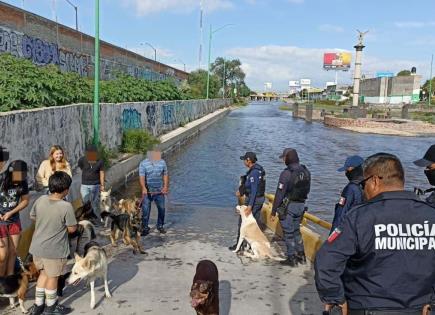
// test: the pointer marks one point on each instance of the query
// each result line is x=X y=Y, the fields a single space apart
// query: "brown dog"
x=205 y=289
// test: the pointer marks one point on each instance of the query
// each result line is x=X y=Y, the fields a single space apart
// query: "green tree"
x=234 y=76
x=403 y=73
x=197 y=82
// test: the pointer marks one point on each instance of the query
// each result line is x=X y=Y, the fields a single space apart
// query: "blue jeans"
x=92 y=193
x=291 y=228
x=159 y=200
x=256 y=212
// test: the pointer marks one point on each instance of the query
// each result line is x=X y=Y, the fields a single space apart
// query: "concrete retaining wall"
x=29 y=134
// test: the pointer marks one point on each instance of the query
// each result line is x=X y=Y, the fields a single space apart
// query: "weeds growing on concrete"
x=137 y=141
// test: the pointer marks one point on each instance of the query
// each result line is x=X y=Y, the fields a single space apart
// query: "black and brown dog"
x=129 y=225
x=205 y=289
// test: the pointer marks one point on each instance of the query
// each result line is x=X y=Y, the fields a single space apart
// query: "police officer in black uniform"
x=428 y=161
x=253 y=187
x=382 y=258
x=291 y=193
x=352 y=194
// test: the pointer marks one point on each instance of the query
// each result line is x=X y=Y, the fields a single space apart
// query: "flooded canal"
x=205 y=172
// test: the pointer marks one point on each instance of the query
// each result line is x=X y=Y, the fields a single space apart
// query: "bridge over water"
x=201 y=222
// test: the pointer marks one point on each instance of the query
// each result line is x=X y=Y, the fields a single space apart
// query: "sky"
x=276 y=40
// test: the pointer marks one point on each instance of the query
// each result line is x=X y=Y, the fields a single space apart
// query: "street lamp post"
x=75 y=8
x=96 y=107
x=155 y=51
x=184 y=64
x=209 y=53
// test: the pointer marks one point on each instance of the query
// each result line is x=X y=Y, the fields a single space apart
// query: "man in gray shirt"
x=54 y=219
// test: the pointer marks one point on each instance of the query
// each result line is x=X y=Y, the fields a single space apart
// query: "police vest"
x=262 y=181
x=301 y=184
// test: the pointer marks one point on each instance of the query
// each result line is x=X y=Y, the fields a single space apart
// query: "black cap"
x=249 y=156
x=4 y=154
x=428 y=158
x=91 y=148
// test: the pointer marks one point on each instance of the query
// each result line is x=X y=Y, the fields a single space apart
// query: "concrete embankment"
x=120 y=171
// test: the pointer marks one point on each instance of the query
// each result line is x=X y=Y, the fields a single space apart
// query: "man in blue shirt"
x=352 y=194
x=154 y=181
x=252 y=188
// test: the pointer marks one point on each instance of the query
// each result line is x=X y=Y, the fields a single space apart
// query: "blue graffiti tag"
x=168 y=114
x=131 y=119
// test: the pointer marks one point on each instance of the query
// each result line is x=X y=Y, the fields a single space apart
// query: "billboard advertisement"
x=293 y=83
x=384 y=74
x=337 y=61
x=305 y=82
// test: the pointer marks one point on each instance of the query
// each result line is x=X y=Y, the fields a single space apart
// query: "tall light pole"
x=96 y=107
x=75 y=8
x=430 y=82
x=209 y=54
x=155 y=51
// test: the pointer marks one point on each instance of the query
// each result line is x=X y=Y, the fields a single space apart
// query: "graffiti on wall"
x=131 y=119
x=151 y=115
x=41 y=52
x=168 y=114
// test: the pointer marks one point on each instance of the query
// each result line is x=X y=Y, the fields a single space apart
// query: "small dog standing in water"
x=91 y=267
x=205 y=289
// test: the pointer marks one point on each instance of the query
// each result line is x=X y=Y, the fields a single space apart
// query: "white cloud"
x=414 y=24
x=279 y=64
x=331 y=28
x=146 y=7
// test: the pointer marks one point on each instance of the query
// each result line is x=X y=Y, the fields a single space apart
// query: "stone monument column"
x=357 y=74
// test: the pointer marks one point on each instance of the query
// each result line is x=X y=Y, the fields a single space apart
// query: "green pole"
x=223 y=82
x=208 y=71
x=96 y=107
x=430 y=82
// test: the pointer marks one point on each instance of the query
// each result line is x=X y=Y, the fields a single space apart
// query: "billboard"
x=293 y=83
x=305 y=82
x=384 y=74
x=337 y=61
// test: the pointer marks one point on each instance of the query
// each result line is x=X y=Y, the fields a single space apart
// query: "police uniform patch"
x=252 y=179
x=334 y=235
x=342 y=201
x=280 y=186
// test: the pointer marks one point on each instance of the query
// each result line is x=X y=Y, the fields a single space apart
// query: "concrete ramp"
x=160 y=282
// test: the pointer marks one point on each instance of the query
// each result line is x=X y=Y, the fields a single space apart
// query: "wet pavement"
x=159 y=283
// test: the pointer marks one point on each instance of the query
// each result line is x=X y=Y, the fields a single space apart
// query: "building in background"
x=391 y=90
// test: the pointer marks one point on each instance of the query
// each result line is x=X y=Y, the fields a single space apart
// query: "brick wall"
x=43 y=41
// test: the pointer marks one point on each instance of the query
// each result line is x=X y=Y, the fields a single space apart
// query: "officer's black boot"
x=291 y=261
x=300 y=257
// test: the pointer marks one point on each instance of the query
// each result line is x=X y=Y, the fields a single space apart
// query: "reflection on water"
x=206 y=171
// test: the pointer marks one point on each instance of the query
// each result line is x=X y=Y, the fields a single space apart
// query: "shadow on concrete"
x=306 y=301
x=224 y=297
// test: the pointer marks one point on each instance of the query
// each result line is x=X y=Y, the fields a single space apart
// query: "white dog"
x=91 y=267
x=106 y=204
x=250 y=232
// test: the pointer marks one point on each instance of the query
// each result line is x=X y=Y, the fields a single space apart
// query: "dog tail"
x=87 y=225
x=276 y=258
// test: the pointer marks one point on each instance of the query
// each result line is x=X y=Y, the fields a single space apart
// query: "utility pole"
x=200 y=35
x=96 y=107
x=357 y=75
x=430 y=82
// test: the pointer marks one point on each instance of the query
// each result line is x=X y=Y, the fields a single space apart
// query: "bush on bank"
x=137 y=141
x=24 y=85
